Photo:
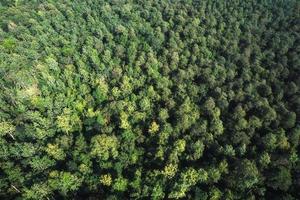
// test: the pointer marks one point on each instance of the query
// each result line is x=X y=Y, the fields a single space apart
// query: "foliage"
x=149 y=99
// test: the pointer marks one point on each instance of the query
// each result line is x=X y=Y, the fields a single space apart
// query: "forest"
x=149 y=99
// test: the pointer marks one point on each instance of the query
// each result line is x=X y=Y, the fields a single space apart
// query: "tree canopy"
x=140 y=99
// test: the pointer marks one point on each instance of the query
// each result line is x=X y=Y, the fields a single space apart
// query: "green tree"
x=104 y=147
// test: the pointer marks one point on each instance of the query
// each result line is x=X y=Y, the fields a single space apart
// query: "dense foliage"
x=151 y=99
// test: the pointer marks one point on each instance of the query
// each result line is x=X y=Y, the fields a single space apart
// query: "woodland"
x=149 y=99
